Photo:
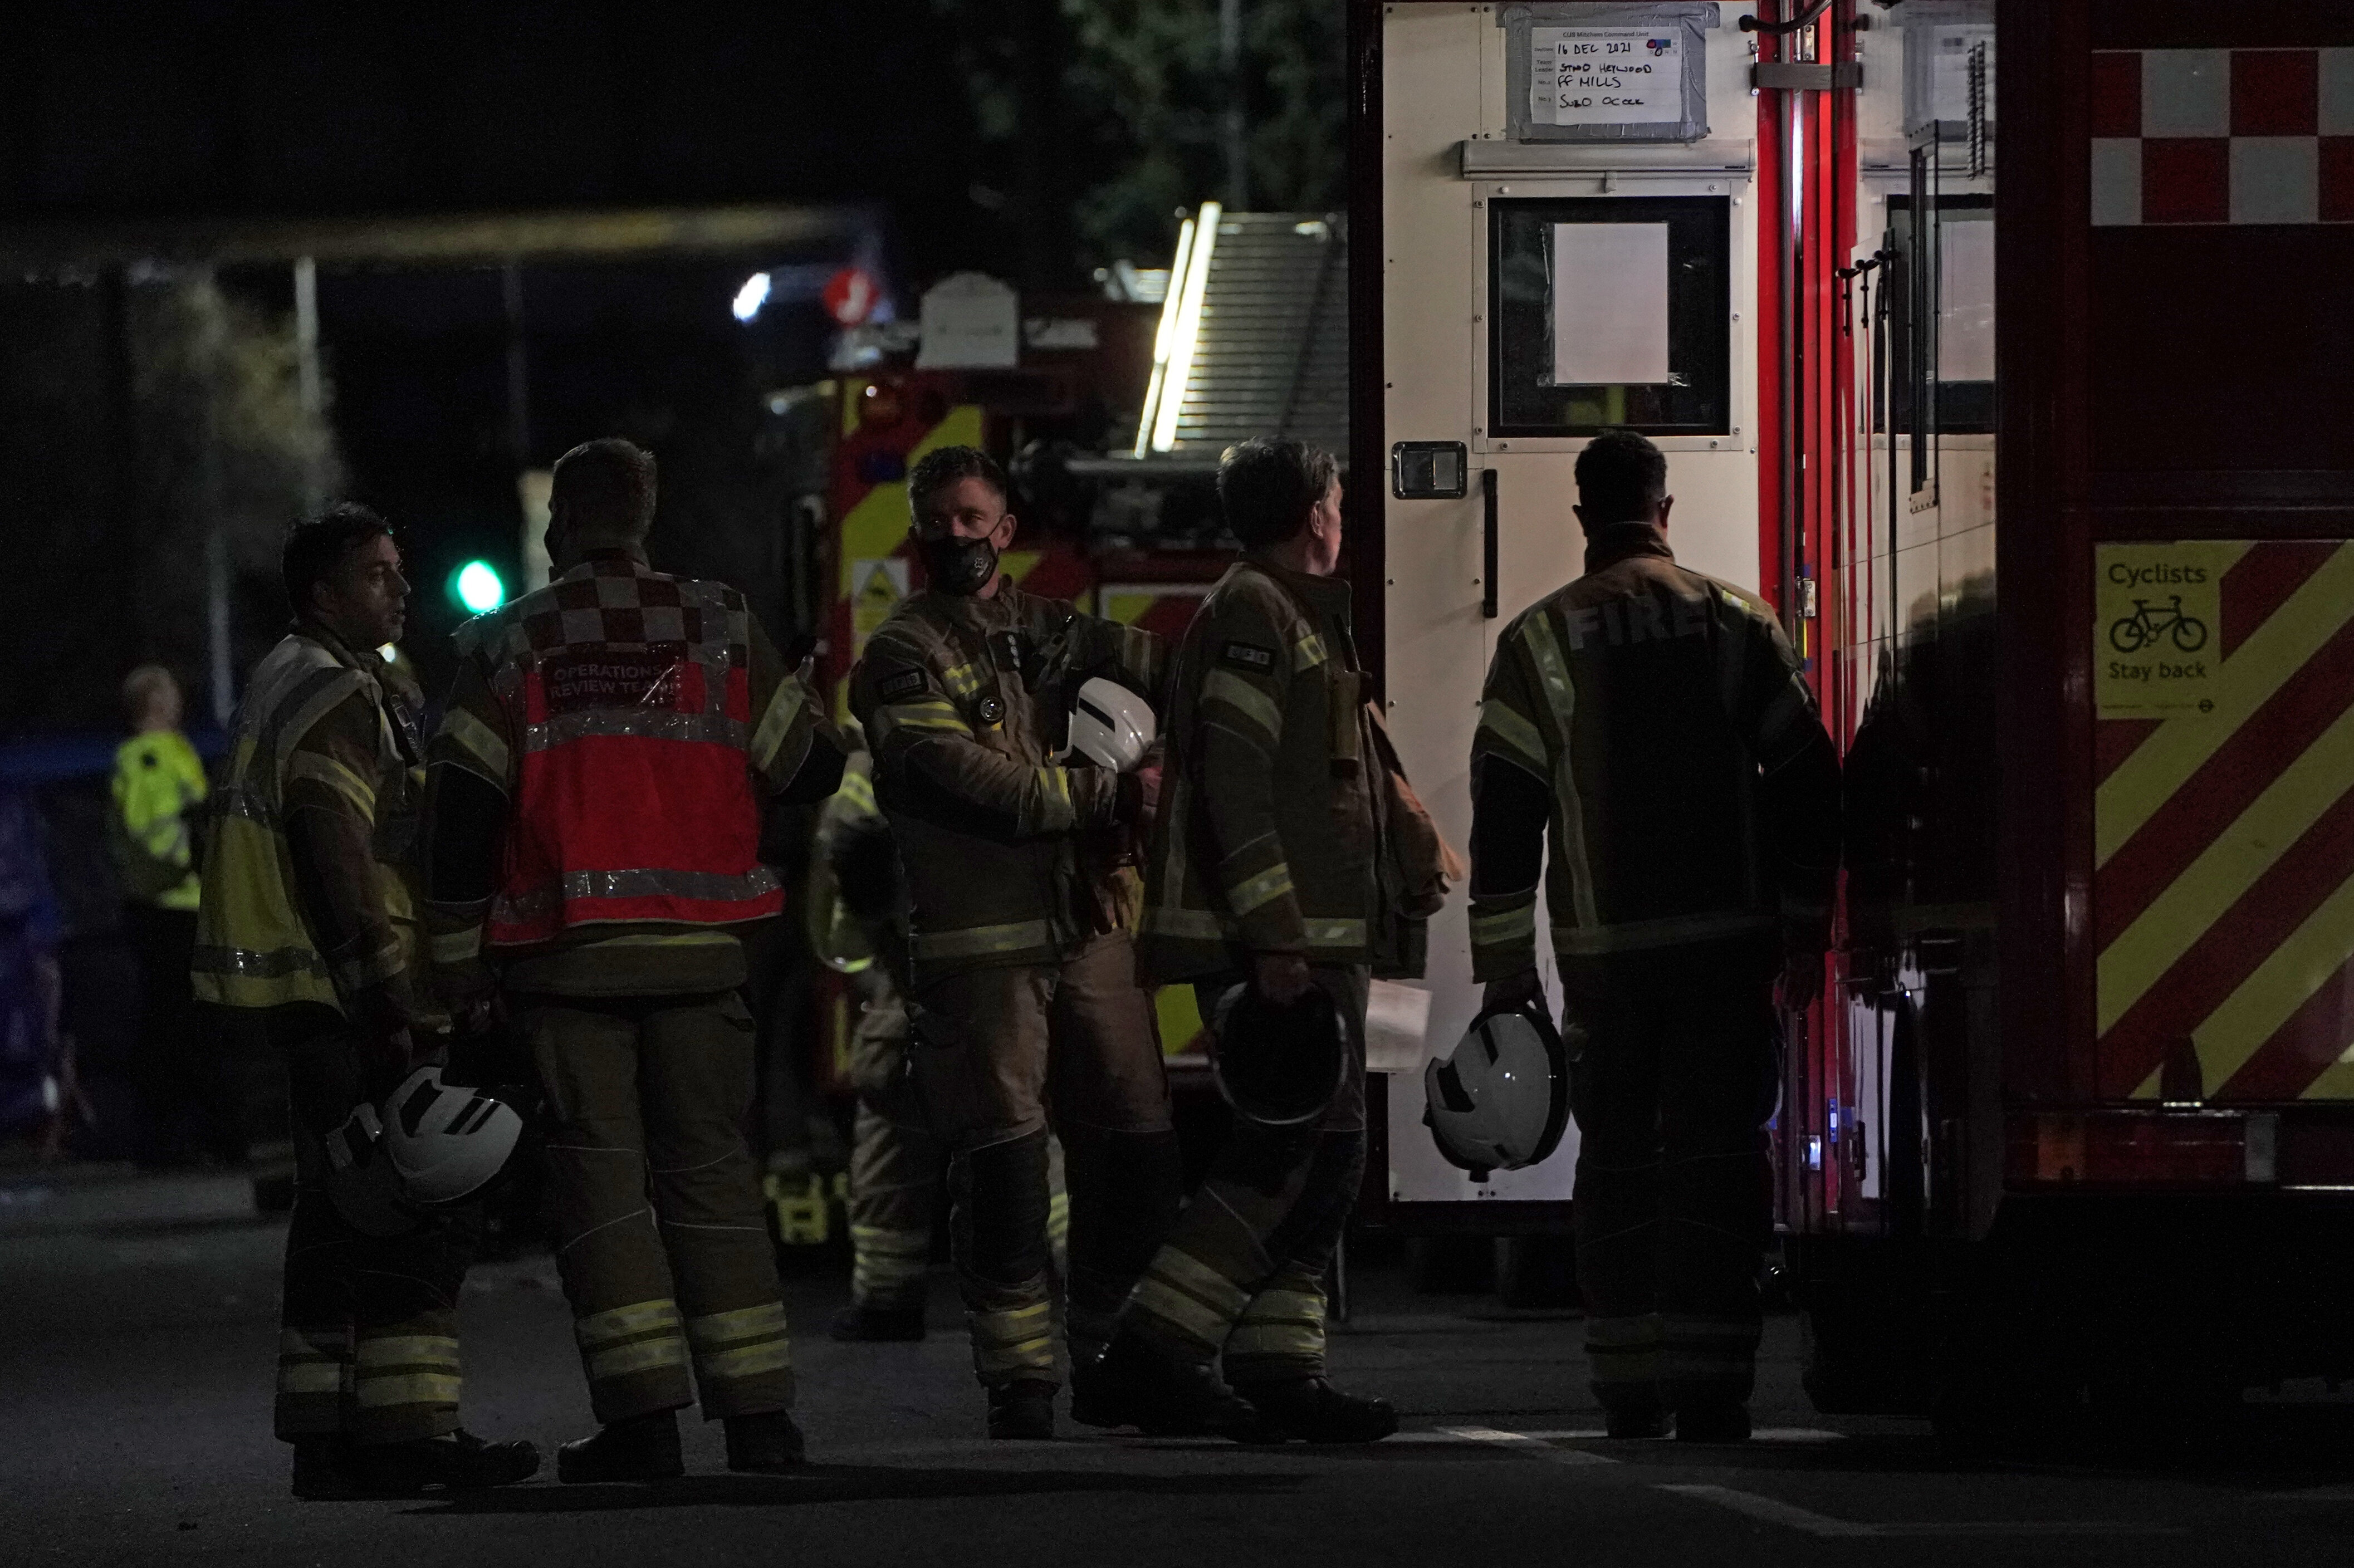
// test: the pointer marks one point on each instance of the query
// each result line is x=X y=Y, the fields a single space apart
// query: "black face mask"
x=959 y=567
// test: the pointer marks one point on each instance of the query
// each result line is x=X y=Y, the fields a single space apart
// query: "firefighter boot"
x=1309 y=1410
x=1719 y=1422
x=1634 y=1414
x=642 y=1449
x=1634 y=1419
x=860 y=1322
x=1136 y=1383
x=1022 y=1410
x=323 y=1470
x=767 y=1444
x=460 y=1462
x=1098 y=1397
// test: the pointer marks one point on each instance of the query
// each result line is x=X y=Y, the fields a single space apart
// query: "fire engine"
x=1999 y=347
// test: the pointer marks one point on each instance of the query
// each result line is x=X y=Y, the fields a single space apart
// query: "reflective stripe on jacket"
x=633 y=768
x=1270 y=835
x=1010 y=856
x=314 y=727
x=1677 y=766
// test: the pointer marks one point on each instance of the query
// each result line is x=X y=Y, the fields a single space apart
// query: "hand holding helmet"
x=1281 y=978
x=1279 y=1064
x=1514 y=991
x=379 y=1024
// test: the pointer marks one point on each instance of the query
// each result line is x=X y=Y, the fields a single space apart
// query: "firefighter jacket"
x=159 y=786
x=1011 y=857
x=1275 y=827
x=598 y=783
x=308 y=871
x=1657 y=723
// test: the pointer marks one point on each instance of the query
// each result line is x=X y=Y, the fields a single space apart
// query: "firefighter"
x=1272 y=865
x=159 y=795
x=1020 y=949
x=895 y=1165
x=594 y=807
x=1656 y=724
x=306 y=932
x=898 y=1169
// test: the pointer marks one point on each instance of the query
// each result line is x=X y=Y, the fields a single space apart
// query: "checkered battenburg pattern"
x=617 y=602
x=2222 y=136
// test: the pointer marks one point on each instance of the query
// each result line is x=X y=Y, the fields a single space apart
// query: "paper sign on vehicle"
x=2158 y=614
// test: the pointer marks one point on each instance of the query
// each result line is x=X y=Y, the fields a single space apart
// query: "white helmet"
x=361 y=1182
x=1501 y=1100
x=1111 y=727
x=446 y=1141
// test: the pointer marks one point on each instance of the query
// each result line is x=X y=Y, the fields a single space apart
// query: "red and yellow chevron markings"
x=2224 y=887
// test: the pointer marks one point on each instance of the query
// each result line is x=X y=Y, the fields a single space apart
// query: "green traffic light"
x=476 y=585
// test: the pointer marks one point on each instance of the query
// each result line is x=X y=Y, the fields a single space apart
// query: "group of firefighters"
x=566 y=864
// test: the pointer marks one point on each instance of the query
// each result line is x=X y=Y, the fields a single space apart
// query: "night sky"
x=116 y=117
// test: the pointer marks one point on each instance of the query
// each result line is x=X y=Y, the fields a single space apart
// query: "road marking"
x=1771 y=1511
x=1772 y=1434
x=1528 y=1442
x=1775 y=1511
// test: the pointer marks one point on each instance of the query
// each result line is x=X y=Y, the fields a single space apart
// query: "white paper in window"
x=1609 y=303
x=1965 y=300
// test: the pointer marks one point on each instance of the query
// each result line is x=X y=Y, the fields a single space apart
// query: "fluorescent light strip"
x=1163 y=339
x=1187 y=328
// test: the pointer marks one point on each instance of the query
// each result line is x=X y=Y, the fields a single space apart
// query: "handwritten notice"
x=1606 y=76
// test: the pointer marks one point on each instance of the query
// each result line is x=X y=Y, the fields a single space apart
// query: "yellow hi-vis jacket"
x=158 y=783
x=302 y=732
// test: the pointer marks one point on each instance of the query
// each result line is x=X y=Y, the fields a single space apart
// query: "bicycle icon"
x=2145 y=626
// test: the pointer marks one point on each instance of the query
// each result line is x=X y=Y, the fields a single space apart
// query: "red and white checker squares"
x=2222 y=136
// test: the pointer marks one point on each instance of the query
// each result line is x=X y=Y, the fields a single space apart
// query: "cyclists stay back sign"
x=2158 y=613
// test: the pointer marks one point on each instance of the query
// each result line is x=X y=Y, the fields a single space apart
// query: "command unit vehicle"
x=2002 y=348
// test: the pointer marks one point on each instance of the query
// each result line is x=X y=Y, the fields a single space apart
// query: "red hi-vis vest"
x=635 y=794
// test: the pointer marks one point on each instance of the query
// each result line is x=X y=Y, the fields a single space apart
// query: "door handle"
x=1488 y=545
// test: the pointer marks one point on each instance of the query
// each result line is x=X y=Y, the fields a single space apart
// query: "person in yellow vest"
x=307 y=935
x=159 y=793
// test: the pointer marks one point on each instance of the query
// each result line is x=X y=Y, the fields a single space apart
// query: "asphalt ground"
x=138 y=1326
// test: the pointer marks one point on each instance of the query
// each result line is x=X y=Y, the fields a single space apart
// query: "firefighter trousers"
x=1242 y=1276
x=368 y=1336
x=896 y=1166
x=1676 y=1063
x=993 y=1049
x=898 y=1171
x=655 y=1206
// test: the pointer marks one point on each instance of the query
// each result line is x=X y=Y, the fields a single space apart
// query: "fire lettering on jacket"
x=1638 y=617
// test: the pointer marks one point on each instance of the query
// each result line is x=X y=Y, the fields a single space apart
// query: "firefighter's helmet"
x=1500 y=1100
x=448 y=1142
x=1277 y=1063
x=1111 y=727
